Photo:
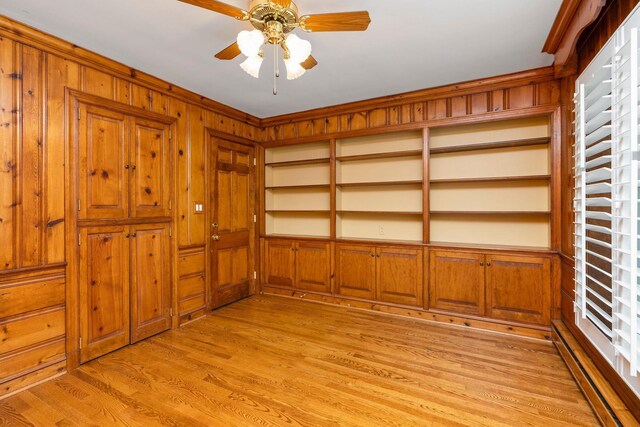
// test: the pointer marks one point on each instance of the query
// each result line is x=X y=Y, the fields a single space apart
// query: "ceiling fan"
x=273 y=20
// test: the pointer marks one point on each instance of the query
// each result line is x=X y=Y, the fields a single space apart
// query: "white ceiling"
x=410 y=45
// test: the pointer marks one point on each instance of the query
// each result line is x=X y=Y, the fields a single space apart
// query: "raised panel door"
x=150 y=281
x=103 y=164
x=279 y=263
x=519 y=288
x=399 y=276
x=356 y=271
x=457 y=282
x=150 y=173
x=313 y=266
x=104 y=290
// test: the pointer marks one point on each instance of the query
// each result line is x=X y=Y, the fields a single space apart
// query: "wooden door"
x=356 y=271
x=104 y=290
x=519 y=288
x=313 y=266
x=457 y=282
x=399 y=276
x=233 y=228
x=103 y=164
x=150 y=170
x=150 y=281
x=279 y=263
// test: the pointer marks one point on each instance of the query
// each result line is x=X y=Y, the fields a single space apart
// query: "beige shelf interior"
x=297 y=175
x=382 y=198
x=382 y=170
x=375 y=226
x=477 y=200
x=375 y=144
x=298 y=223
x=298 y=199
x=290 y=153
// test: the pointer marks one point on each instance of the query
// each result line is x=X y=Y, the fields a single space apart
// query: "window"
x=606 y=201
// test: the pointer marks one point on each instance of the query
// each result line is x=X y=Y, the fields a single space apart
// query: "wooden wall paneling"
x=480 y=103
x=179 y=111
x=521 y=97
x=98 y=83
x=8 y=161
x=31 y=157
x=378 y=118
x=123 y=91
x=360 y=120
x=394 y=116
x=305 y=128
x=419 y=112
x=140 y=97
x=437 y=109
x=458 y=106
x=60 y=73
x=333 y=124
x=28 y=330
x=198 y=231
x=497 y=100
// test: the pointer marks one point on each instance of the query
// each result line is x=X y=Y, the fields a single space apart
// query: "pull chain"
x=276 y=71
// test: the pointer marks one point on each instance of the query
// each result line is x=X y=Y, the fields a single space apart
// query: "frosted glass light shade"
x=294 y=69
x=252 y=65
x=298 y=48
x=250 y=42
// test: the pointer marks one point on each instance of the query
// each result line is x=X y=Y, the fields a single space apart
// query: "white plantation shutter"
x=607 y=261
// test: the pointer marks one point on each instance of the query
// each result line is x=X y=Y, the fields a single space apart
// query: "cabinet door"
x=519 y=288
x=356 y=271
x=150 y=176
x=456 y=282
x=279 y=263
x=150 y=281
x=104 y=290
x=399 y=276
x=103 y=164
x=313 y=266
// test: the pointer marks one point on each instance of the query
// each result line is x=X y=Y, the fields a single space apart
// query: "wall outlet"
x=381 y=230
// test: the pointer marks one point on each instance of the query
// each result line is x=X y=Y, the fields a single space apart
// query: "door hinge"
x=255 y=275
x=79 y=239
x=78 y=205
x=255 y=218
x=255 y=162
x=80 y=343
x=170 y=204
x=78 y=114
x=170 y=233
x=171 y=312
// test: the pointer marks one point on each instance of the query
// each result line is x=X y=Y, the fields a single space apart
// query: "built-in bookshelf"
x=298 y=190
x=490 y=183
x=379 y=187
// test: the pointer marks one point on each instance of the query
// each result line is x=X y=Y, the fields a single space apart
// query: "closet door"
x=103 y=164
x=150 y=281
x=104 y=290
x=150 y=172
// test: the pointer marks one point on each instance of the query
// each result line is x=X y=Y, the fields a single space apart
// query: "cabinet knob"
x=372 y=255
x=126 y=165
x=134 y=234
x=488 y=264
x=378 y=255
x=133 y=167
x=481 y=263
x=127 y=235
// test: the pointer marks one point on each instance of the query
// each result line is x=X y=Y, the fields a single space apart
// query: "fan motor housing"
x=261 y=10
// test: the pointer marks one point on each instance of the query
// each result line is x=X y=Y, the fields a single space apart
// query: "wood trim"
x=491 y=145
x=42 y=271
x=32 y=379
x=33 y=37
x=559 y=28
x=537 y=75
x=229 y=137
x=594 y=383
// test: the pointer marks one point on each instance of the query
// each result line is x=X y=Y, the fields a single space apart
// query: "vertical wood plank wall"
x=35 y=70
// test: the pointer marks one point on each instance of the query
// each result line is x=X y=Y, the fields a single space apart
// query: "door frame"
x=73 y=100
x=211 y=136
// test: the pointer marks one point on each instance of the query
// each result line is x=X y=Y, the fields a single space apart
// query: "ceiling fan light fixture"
x=252 y=65
x=250 y=42
x=294 y=69
x=299 y=49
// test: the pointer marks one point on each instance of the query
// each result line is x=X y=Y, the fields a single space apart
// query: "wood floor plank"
x=272 y=361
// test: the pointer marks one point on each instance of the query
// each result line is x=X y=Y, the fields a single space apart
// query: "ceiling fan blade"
x=309 y=63
x=229 y=52
x=347 y=21
x=283 y=3
x=223 y=8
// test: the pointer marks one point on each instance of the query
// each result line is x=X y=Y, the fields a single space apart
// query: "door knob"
x=214 y=225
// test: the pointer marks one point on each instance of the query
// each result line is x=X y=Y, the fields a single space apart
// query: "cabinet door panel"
x=399 y=276
x=313 y=266
x=150 y=190
x=103 y=156
x=519 y=288
x=279 y=262
x=151 y=299
x=356 y=271
x=104 y=290
x=456 y=282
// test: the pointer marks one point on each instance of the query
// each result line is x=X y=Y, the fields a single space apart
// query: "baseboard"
x=605 y=402
x=32 y=379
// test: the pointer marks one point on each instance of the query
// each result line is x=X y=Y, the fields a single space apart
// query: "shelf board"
x=546 y=213
x=293 y=187
x=299 y=162
x=378 y=240
x=319 y=211
x=380 y=212
x=387 y=155
x=379 y=183
x=488 y=246
x=491 y=145
x=492 y=179
x=296 y=236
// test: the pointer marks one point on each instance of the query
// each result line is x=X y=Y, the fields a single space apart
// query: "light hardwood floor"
x=274 y=361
